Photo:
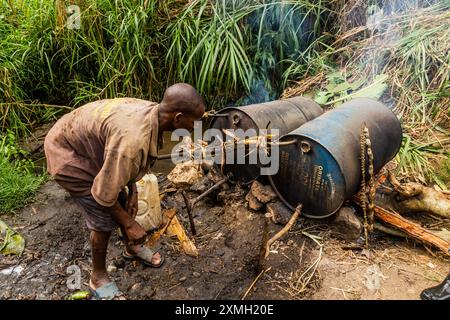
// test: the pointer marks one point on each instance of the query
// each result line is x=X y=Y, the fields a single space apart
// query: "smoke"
x=383 y=19
x=279 y=32
x=382 y=23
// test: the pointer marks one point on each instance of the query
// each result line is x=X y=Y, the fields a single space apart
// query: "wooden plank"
x=176 y=228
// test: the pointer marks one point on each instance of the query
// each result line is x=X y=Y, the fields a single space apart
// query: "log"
x=418 y=198
x=412 y=229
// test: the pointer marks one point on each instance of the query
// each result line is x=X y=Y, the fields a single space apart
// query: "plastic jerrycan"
x=149 y=209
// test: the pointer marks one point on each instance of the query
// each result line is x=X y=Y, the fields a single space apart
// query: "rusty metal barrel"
x=284 y=115
x=321 y=168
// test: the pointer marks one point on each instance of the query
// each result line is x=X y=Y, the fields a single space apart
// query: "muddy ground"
x=308 y=263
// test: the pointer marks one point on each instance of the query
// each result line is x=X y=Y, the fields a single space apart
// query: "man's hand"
x=132 y=231
x=132 y=201
x=135 y=233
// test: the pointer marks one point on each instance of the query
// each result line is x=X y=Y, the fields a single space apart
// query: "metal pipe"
x=204 y=194
x=164 y=156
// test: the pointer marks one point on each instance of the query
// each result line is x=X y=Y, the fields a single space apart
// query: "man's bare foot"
x=108 y=288
x=99 y=279
x=133 y=250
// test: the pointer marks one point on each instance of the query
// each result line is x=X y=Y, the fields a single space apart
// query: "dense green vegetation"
x=232 y=51
x=138 y=47
x=400 y=54
x=18 y=181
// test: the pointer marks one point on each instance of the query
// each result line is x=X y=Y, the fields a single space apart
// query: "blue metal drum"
x=321 y=168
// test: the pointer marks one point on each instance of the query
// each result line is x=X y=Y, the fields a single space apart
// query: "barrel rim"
x=390 y=110
x=287 y=204
x=393 y=113
x=229 y=109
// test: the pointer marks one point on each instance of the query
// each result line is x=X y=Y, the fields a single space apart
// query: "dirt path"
x=307 y=264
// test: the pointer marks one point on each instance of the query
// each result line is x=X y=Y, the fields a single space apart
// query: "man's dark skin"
x=180 y=107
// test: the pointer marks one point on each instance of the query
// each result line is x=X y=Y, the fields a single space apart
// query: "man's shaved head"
x=180 y=100
x=182 y=97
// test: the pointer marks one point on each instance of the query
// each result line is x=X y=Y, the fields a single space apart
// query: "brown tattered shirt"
x=102 y=146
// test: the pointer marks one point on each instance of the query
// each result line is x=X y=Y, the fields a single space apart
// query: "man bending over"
x=97 y=150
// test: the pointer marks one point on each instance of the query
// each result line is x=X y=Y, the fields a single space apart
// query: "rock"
x=253 y=203
x=202 y=185
x=196 y=274
x=185 y=174
x=182 y=279
x=346 y=224
x=278 y=212
x=120 y=263
x=136 y=287
x=263 y=193
x=111 y=268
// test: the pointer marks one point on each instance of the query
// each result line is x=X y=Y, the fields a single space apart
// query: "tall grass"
x=413 y=50
x=226 y=49
x=113 y=53
x=406 y=43
x=44 y=63
x=207 y=47
x=232 y=51
x=18 y=182
x=23 y=68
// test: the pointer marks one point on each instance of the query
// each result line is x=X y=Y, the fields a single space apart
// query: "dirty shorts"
x=98 y=217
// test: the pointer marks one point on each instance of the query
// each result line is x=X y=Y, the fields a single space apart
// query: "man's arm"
x=133 y=231
x=132 y=201
x=132 y=188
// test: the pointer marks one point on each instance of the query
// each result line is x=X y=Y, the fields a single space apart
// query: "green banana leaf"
x=10 y=241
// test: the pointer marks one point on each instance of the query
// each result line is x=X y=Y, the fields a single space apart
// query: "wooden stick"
x=413 y=230
x=254 y=282
x=190 y=204
x=283 y=231
x=189 y=211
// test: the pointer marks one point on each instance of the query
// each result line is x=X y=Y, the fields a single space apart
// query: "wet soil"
x=308 y=262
